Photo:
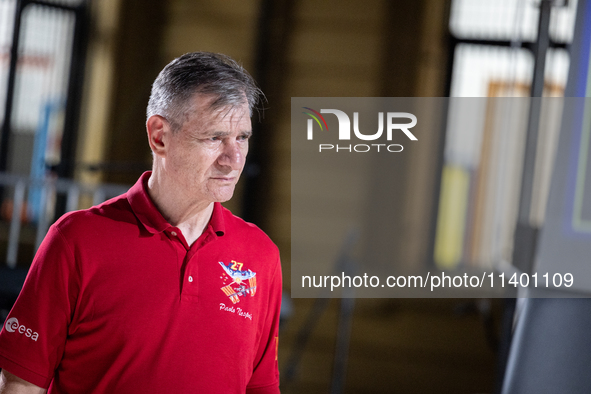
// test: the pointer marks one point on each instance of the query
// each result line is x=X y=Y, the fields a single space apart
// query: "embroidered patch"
x=242 y=282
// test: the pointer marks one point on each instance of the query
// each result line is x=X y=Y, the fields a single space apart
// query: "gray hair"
x=204 y=73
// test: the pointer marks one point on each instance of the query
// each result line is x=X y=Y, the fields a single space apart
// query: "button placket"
x=190 y=290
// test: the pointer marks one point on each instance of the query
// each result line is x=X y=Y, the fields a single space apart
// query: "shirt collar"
x=147 y=213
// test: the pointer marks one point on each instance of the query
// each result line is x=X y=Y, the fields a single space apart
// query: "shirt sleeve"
x=265 y=377
x=33 y=337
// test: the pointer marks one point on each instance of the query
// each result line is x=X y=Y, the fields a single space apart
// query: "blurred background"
x=75 y=77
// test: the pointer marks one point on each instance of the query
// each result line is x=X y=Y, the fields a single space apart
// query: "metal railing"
x=47 y=190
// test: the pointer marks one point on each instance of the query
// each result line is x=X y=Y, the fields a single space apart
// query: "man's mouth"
x=224 y=178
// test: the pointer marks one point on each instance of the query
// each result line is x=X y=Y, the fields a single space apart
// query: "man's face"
x=206 y=156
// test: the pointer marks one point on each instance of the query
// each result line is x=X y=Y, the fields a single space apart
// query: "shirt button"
x=190 y=279
x=173 y=233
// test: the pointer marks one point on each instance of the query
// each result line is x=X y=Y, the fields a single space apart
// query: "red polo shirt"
x=117 y=302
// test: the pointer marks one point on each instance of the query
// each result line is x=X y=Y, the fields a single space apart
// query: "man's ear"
x=158 y=130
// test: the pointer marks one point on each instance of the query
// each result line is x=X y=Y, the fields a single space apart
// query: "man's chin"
x=225 y=194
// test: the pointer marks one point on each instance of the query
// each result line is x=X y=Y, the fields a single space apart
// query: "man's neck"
x=193 y=227
x=190 y=217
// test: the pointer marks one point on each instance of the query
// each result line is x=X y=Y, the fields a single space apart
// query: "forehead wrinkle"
x=233 y=123
x=215 y=120
x=223 y=133
x=235 y=112
x=211 y=126
x=233 y=120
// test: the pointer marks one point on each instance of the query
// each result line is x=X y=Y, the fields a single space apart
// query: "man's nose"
x=233 y=154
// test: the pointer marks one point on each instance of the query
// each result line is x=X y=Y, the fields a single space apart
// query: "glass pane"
x=494 y=19
x=480 y=70
x=562 y=22
x=509 y=20
x=7 y=10
x=40 y=88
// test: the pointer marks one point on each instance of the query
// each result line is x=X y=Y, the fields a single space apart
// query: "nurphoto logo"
x=392 y=120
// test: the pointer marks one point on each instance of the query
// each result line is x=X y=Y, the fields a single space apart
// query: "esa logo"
x=392 y=120
x=12 y=325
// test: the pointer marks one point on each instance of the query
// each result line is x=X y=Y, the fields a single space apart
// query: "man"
x=160 y=290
